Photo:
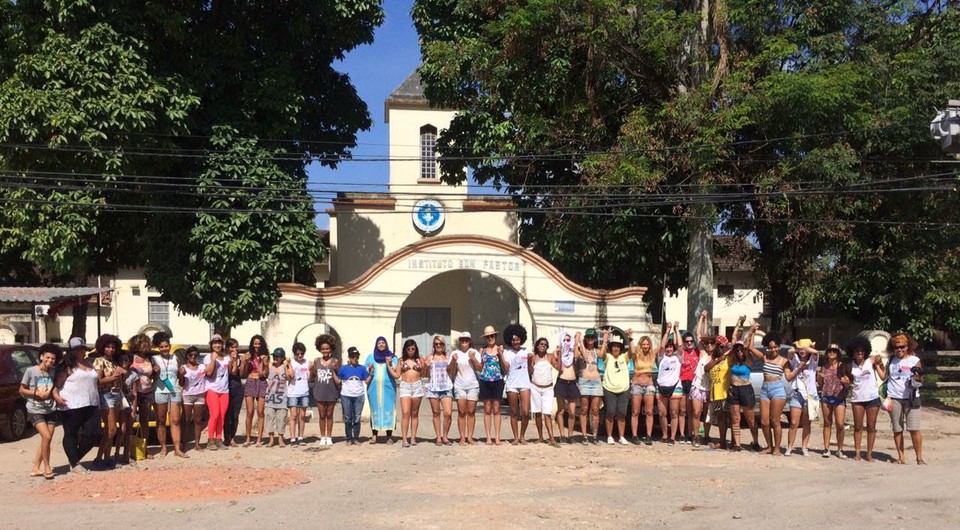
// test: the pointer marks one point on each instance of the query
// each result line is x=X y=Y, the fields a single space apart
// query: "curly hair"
x=299 y=346
x=326 y=338
x=264 y=350
x=912 y=344
x=57 y=351
x=104 y=340
x=856 y=343
x=159 y=338
x=139 y=344
x=514 y=330
x=771 y=337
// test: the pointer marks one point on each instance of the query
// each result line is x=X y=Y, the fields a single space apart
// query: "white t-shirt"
x=700 y=378
x=899 y=375
x=466 y=377
x=809 y=374
x=169 y=370
x=80 y=389
x=518 y=376
x=668 y=374
x=864 y=382
x=195 y=380
x=220 y=382
x=300 y=385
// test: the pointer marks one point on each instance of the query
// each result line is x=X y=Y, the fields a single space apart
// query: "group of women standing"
x=99 y=398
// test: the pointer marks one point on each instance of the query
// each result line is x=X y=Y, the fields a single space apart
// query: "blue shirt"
x=352 y=379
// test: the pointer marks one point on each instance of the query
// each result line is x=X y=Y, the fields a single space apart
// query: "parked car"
x=14 y=361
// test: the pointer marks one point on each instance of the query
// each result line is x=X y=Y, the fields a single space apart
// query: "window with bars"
x=428 y=152
x=158 y=311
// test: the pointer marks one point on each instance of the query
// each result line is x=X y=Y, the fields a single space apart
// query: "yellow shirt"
x=719 y=380
x=616 y=373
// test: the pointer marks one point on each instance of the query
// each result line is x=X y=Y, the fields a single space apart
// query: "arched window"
x=428 y=152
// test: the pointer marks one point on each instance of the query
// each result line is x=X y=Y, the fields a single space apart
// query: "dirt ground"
x=504 y=486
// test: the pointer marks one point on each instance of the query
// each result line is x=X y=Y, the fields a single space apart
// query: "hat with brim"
x=353 y=352
x=591 y=332
x=832 y=347
x=465 y=335
x=76 y=342
x=216 y=338
x=489 y=330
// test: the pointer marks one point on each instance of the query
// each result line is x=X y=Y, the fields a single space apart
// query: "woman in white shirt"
x=466 y=387
x=904 y=378
x=515 y=359
x=867 y=372
x=76 y=391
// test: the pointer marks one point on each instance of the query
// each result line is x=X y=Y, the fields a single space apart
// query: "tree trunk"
x=79 y=328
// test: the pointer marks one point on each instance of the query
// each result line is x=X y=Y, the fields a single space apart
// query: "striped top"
x=772 y=369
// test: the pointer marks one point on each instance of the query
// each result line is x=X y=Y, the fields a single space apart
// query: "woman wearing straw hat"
x=491 y=383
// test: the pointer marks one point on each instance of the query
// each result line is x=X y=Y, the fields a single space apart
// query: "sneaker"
x=635 y=441
x=610 y=440
x=623 y=441
x=826 y=454
x=647 y=440
x=804 y=451
x=696 y=442
x=671 y=442
x=594 y=440
x=841 y=456
x=688 y=439
x=788 y=452
x=585 y=441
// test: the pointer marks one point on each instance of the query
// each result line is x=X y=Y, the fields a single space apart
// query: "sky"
x=375 y=70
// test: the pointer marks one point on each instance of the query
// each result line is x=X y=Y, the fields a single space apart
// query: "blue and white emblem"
x=428 y=216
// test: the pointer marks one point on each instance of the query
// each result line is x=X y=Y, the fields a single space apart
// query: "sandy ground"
x=495 y=487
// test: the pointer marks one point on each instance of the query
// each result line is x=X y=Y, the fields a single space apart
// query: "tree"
x=111 y=114
x=786 y=119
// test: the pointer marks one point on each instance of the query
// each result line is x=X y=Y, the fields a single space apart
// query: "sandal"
x=48 y=476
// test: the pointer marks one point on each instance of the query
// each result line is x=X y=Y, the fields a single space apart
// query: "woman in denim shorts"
x=440 y=371
x=168 y=394
x=589 y=384
x=111 y=378
x=411 y=392
x=194 y=378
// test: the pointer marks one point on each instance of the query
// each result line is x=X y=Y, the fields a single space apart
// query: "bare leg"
x=462 y=420
x=917 y=438
x=162 y=427
x=827 y=426
x=765 y=424
x=648 y=404
x=735 y=425
x=635 y=403
x=248 y=404
x=513 y=400
x=839 y=413
x=872 y=413
x=675 y=405
x=664 y=407
x=404 y=419
x=435 y=408
x=859 y=411
x=525 y=412
x=776 y=409
x=471 y=420
x=175 y=415
x=447 y=404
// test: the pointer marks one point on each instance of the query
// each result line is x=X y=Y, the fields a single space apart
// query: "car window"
x=21 y=361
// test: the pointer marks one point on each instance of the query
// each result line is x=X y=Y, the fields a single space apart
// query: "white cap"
x=464 y=335
x=76 y=342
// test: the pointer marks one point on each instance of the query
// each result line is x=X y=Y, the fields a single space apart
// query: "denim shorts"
x=197 y=399
x=301 y=402
x=168 y=397
x=411 y=390
x=109 y=400
x=797 y=401
x=642 y=390
x=440 y=394
x=469 y=394
x=590 y=387
x=773 y=390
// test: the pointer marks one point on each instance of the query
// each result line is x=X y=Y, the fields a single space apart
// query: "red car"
x=14 y=360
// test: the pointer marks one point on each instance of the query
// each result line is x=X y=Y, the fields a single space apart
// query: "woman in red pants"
x=217 y=366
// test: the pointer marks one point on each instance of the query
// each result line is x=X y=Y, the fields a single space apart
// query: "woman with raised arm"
x=773 y=395
x=541 y=367
x=440 y=371
x=411 y=392
x=466 y=387
x=804 y=359
x=718 y=368
x=325 y=390
x=589 y=385
x=491 y=384
x=668 y=384
x=565 y=389
x=616 y=386
x=254 y=366
x=698 y=391
x=740 y=398
x=515 y=359
x=217 y=367
x=904 y=378
x=866 y=372
x=643 y=390
x=382 y=391
x=689 y=357
x=834 y=379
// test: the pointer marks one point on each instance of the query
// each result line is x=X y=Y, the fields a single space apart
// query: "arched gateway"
x=467 y=275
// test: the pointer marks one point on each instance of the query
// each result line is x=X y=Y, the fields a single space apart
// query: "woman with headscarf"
x=566 y=390
x=382 y=391
x=866 y=372
x=904 y=378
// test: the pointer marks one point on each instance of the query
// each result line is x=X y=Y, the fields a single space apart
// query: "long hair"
x=104 y=340
x=416 y=350
x=264 y=350
x=139 y=344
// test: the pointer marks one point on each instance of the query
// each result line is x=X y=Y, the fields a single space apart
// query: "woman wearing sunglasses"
x=616 y=385
x=440 y=372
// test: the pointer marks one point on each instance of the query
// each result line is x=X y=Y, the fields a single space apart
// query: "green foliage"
x=110 y=112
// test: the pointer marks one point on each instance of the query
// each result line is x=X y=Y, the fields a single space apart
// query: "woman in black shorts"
x=566 y=390
x=491 y=382
x=740 y=398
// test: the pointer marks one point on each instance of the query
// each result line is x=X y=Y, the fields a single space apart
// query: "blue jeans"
x=352 y=407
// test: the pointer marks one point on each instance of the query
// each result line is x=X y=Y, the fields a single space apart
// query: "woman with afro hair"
x=867 y=371
x=515 y=358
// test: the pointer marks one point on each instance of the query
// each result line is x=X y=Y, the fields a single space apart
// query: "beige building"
x=428 y=258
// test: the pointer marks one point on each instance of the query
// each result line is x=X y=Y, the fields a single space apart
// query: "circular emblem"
x=428 y=216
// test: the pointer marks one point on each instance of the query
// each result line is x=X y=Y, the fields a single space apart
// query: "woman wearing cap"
x=76 y=391
x=298 y=391
x=111 y=376
x=382 y=392
x=866 y=372
x=773 y=395
x=169 y=394
x=231 y=421
x=515 y=359
x=804 y=359
x=217 y=369
x=566 y=390
x=275 y=398
x=466 y=387
x=440 y=372
x=253 y=366
x=541 y=369
x=491 y=384
x=194 y=379
x=616 y=385
x=325 y=391
x=643 y=390
x=834 y=379
x=36 y=388
x=740 y=397
x=589 y=384
x=411 y=392
x=904 y=378
x=351 y=378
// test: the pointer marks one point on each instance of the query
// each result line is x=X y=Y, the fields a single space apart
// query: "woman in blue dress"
x=382 y=390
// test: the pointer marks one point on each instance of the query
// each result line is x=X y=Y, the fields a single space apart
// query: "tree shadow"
x=362 y=248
